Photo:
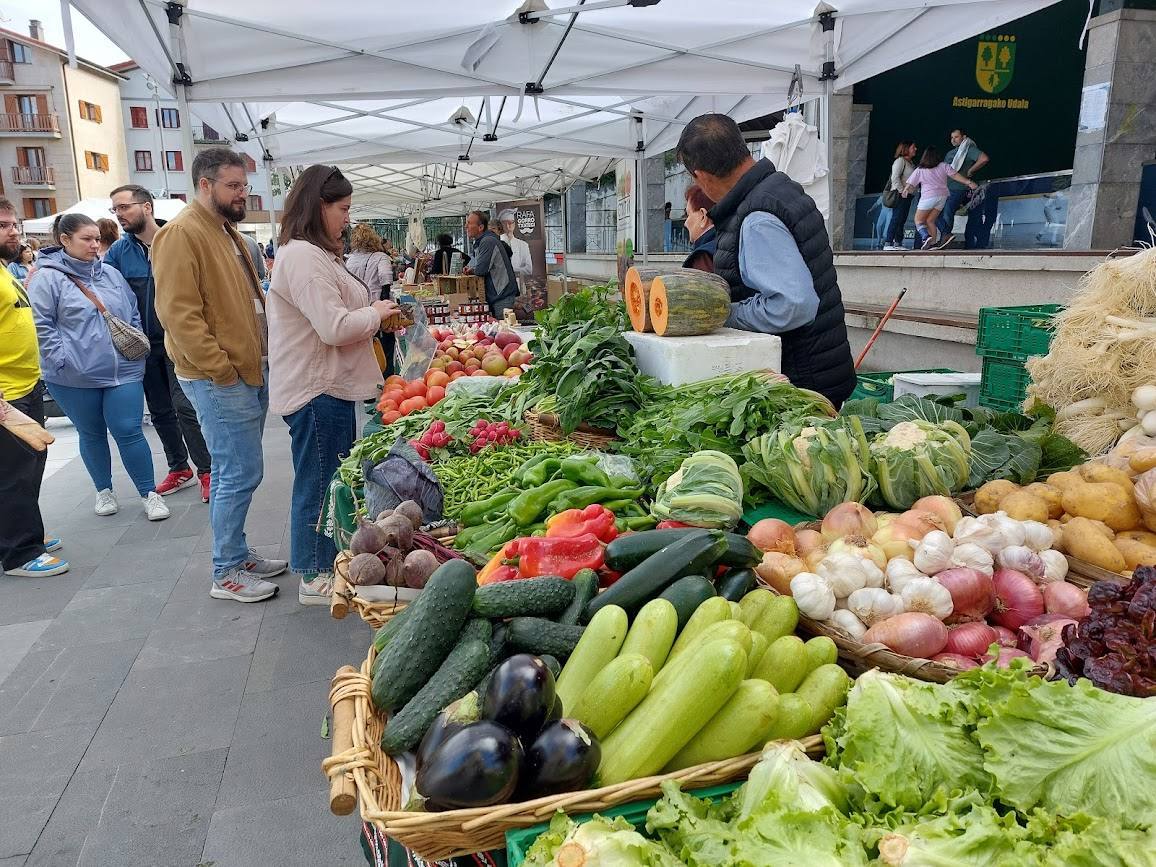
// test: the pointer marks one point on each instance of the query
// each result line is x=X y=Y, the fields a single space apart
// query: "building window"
x=140 y=117
x=26 y=105
x=96 y=161
x=36 y=208
x=183 y=197
x=29 y=157
x=169 y=118
x=144 y=161
x=90 y=111
x=254 y=203
x=250 y=166
x=19 y=52
x=174 y=161
x=601 y=214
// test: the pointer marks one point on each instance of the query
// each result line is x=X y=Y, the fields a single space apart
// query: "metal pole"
x=181 y=79
x=272 y=202
x=564 y=201
x=155 y=88
x=640 y=189
x=827 y=23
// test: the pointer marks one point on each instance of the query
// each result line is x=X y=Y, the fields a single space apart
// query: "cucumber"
x=613 y=693
x=426 y=638
x=759 y=645
x=772 y=615
x=735 y=730
x=542 y=637
x=478 y=629
x=712 y=611
x=686 y=594
x=726 y=630
x=626 y=552
x=785 y=664
x=468 y=661
x=736 y=583
x=793 y=721
x=821 y=650
x=498 y=642
x=656 y=573
x=536 y=597
x=825 y=690
x=672 y=714
x=390 y=628
x=599 y=644
x=585 y=583
x=552 y=663
x=652 y=633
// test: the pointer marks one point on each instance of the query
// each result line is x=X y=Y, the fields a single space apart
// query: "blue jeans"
x=322 y=433
x=97 y=412
x=894 y=234
x=232 y=420
x=946 y=220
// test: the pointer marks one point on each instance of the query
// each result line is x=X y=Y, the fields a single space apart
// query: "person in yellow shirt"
x=23 y=549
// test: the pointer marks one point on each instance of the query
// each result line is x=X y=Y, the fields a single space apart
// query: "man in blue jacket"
x=492 y=263
x=173 y=416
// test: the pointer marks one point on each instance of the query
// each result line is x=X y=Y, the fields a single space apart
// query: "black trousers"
x=173 y=416
x=21 y=472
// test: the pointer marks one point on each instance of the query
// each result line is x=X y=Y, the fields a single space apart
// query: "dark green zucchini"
x=686 y=594
x=736 y=583
x=626 y=552
x=585 y=588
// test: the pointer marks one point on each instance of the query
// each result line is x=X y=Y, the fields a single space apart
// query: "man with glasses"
x=172 y=415
x=213 y=312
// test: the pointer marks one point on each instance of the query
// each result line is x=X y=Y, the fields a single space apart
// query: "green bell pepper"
x=580 y=498
x=530 y=505
x=584 y=470
x=476 y=513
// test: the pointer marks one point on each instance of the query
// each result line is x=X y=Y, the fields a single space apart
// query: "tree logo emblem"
x=995 y=61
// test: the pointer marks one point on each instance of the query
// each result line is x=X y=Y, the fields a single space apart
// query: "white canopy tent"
x=163 y=209
x=504 y=97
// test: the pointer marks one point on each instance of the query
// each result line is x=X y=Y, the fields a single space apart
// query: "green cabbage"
x=917 y=459
x=706 y=491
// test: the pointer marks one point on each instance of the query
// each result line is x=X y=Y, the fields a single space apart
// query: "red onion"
x=1006 y=655
x=910 y=634
x=1007 y=638
x=1017 y=598
x=1060 y=597
x=848 y=519
x=971 y=592
x=954 y=660
x=1042 y=640
x=970 y=639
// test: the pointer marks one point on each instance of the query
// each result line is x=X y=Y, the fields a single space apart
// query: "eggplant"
x=563 y=758
x=556 y=712
x=452 y=719
x=476 y=766
x=520 y=695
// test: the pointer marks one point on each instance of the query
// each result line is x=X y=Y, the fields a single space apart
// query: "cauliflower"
x=802 y=443
x=905 y=435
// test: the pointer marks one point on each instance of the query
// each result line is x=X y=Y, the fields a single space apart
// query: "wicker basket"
x=359 y=765
x=344 y=597
x=544 y=427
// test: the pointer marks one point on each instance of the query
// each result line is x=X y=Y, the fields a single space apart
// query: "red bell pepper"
x=498 y=569
x=596 y=520
x=671 y=525
x=565 y=556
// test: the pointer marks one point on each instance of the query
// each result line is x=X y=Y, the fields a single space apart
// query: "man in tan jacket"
x=213 y=312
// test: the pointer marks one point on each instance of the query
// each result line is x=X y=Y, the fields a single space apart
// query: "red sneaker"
x=175 y=481
x=205 y=478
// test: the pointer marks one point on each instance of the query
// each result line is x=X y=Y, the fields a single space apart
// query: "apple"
x=518 y=357
x=494 y=364
x=509 y=349
x=445 y=344
x=453 y=367
x=479 y=372
x=507 y=338
x=513 y=372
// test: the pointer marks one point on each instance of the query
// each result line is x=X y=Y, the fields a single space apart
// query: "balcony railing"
x=7 y=71
x=29 y=123
x=207 y=135
x=34 y=175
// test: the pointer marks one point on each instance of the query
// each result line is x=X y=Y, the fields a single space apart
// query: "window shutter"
x=88 y=159
x=99 y=114
x=41 y=104
x=180 y=162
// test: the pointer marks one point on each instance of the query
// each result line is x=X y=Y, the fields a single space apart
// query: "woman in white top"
x=370 y=264
x=901 y=169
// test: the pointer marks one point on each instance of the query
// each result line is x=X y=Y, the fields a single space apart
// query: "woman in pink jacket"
x=931 y=179
x=321 y=360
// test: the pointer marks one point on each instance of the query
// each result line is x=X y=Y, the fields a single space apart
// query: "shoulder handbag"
x=129 y=341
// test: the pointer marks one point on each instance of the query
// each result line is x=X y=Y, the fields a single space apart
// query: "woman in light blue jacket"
x=99 y=389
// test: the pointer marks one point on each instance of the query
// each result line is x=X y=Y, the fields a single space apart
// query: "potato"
x=1103 y=501
x=1025 y=506
x=1084 y=541
x=1054 y=497
x=1065 y=480
x=988 y=497
x=1147 y=537
x=1057 y=534
x=1143 y=460
x=1103 y=474
x=1135 y=553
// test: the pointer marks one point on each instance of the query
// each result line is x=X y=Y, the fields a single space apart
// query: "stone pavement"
x=144 y=723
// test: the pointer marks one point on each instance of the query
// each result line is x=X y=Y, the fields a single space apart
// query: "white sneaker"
x=892 y=248
x=319 y=591
x=155 y=507
x=106 y=503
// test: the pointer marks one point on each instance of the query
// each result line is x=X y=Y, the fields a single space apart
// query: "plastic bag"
x=416 y=346
x=1146 y=498
x=401 y=476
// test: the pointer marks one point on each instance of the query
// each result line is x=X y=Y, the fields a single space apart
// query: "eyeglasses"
x=235 y=187
x=120 y=209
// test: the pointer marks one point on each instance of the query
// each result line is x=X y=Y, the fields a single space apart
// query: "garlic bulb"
x=874 y=575
x=845 y=572
x=1055 y=566
x=1012 y=530
x=975 y=532
x=1022 y=559
x=872 y=604
x=849 y=623
x=1037 y=536
x=933 y=554
x=973 y=557
x=813 y=595
x=929 y=596
x=899 y=572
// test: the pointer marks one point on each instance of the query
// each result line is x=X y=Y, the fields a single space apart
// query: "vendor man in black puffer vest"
x=774 y=252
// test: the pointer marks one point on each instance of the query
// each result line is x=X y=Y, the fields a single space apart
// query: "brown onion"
x=912 y=633
x=807 y=541
x=970 y=639
x=771 y=534
x=920 y=522
x=1060 y=597
x=941 y=507
x=954 y=660
x=1017 y=599
x=894 y=536
x=971 y=592
x=848 y=519
x=777 y=569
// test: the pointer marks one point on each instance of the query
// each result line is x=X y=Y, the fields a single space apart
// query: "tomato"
x=418 y=402
x=435 y=393
x=394 y=381
x=390 y=417
x=437 y=377
x=415 y=388
x=394 y=394
x=456 y=375
x=387 y=406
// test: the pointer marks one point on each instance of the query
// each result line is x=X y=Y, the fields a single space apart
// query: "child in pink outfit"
x=931 y=179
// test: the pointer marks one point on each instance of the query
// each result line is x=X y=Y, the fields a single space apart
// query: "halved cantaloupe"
x=637 y=294
x=688 y=303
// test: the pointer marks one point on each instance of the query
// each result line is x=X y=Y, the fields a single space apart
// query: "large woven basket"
x=359 y=768
x=345 y=597
x=544 y=427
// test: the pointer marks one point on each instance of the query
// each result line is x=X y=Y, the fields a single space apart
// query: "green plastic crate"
x=880 y=384
x=1004 y=384
x=519 y=840
x=1015 y=332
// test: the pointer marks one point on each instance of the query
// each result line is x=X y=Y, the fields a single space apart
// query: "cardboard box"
x=555 y=289
x=472 y=286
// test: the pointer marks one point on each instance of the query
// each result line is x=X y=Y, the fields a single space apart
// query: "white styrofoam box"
x=923 y=384
x=679 y=360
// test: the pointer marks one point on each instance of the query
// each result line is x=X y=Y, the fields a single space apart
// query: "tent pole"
x=181 y=78
x=272 y=202
x=563 y=200
x=827 y=23
x=640 y=207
